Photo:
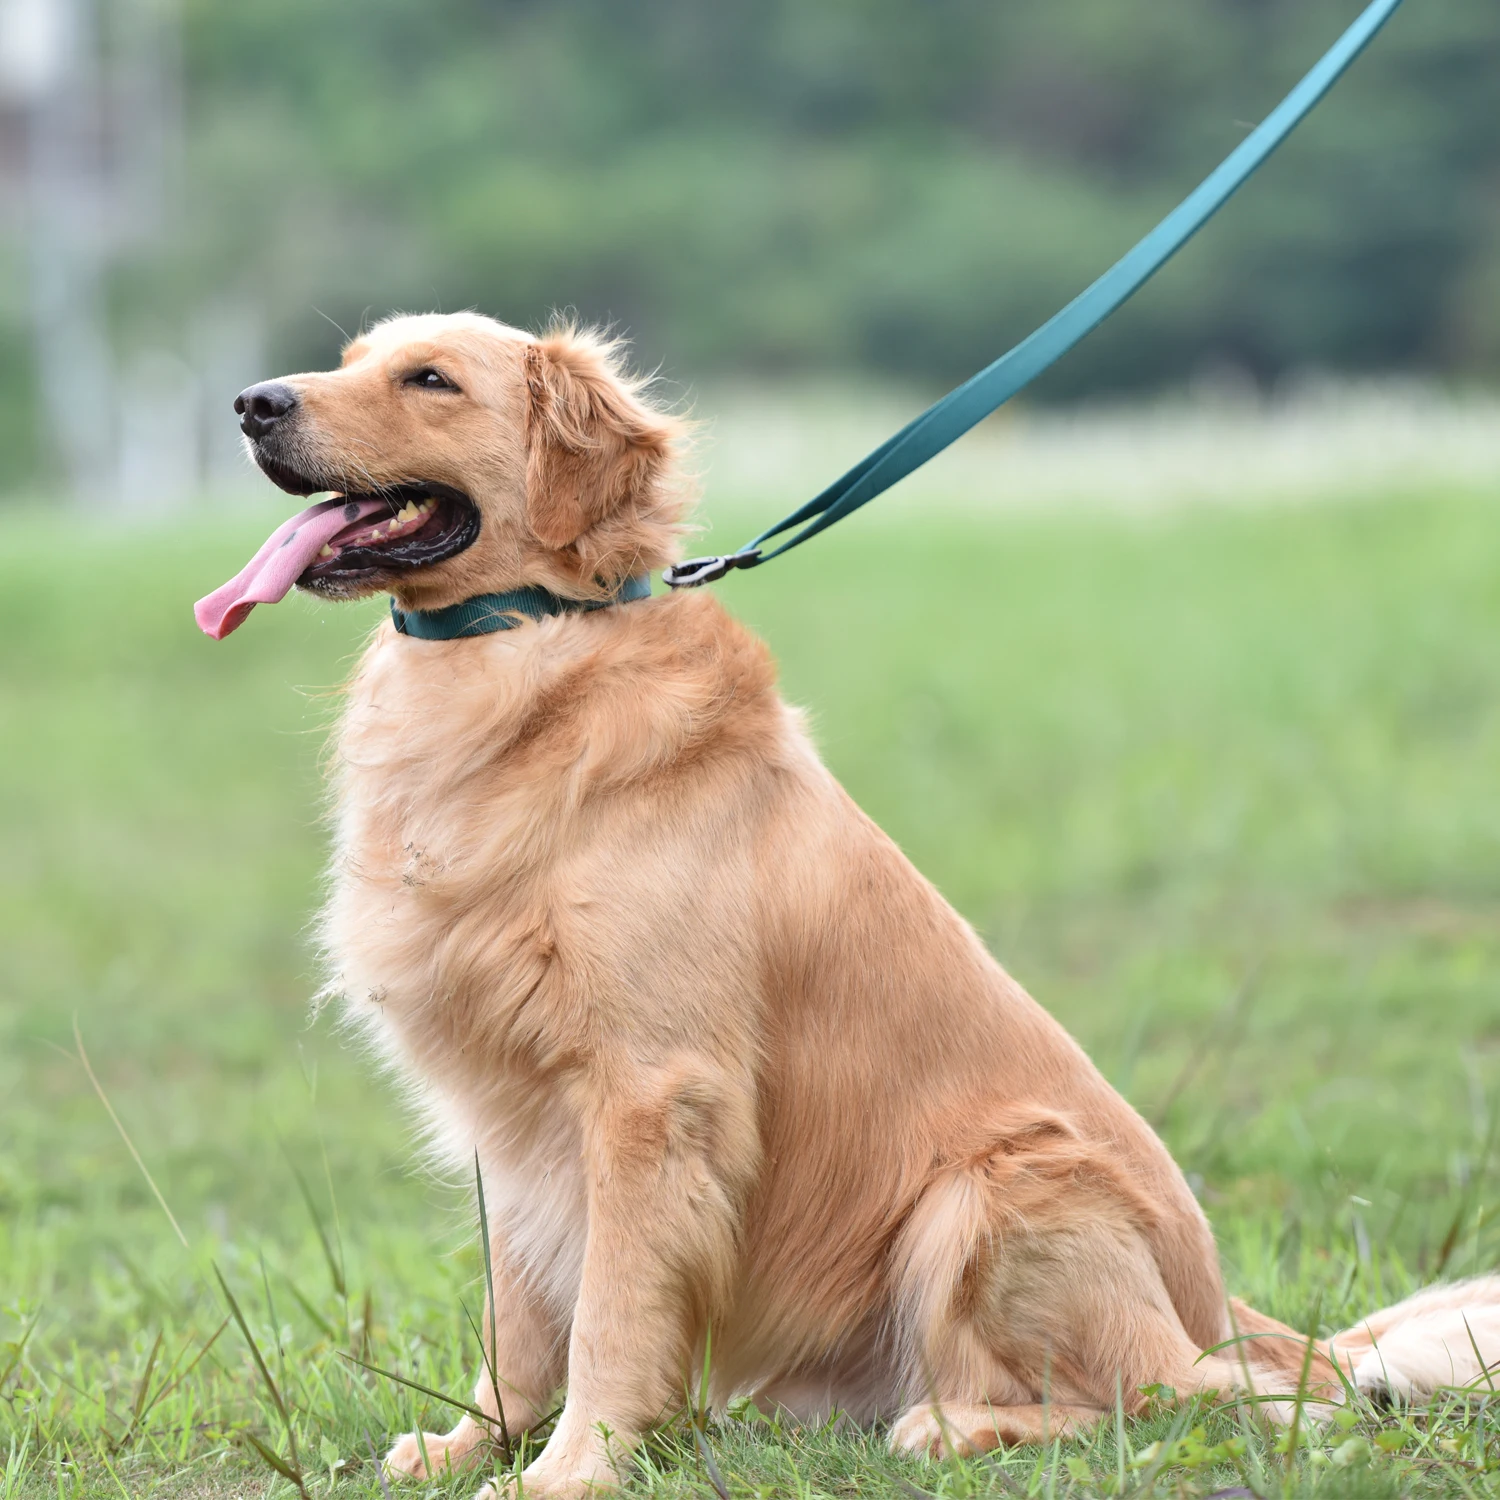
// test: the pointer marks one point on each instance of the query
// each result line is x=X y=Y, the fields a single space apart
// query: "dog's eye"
x=430 y=380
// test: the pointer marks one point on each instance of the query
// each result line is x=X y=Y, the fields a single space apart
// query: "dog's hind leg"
x=940 y=1429
x=1030 y=1297
x=524 y=1365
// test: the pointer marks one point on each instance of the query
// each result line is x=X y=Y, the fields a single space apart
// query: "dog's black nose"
x=262 y=406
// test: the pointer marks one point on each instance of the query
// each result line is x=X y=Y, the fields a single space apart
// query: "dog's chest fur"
x=499 y=889
x=436 y=933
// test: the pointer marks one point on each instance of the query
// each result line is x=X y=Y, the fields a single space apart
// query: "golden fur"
x=728 y=1061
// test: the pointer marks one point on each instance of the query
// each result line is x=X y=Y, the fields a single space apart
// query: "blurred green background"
x=764 y=187
x=1180 y=680
x=890 y=185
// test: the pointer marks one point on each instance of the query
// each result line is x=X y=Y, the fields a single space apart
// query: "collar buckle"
x=700 y=570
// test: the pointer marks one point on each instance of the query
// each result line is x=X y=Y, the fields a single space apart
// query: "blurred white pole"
x=49 y=65
x=146 y=116
x=159 y=458
x=104 y=139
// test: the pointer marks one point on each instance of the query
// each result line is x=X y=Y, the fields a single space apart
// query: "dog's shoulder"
x=625 y=693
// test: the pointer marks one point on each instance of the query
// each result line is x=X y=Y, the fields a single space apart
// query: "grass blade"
x=295 y=1472
x=20 y=1349
x=177 y=1380
x=385 y=1488
x=416 y=1385
x=145 y=1385
x=708 y=1350
x=1294 y=1431
x=715 y=1478
x=83 y=1057
x=275 y=1461
x=1484 y=1369
x=490 y=1346
x=335 y=1266
x=306 y=1304
x=142 y=1391
x=1450 y=1240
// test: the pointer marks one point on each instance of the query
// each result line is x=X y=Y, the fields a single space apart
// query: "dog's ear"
x=592 y=443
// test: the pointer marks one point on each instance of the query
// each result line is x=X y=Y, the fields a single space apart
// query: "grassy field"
x=1218 y=786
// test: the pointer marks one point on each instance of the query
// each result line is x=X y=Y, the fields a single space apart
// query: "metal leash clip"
x=698 y=570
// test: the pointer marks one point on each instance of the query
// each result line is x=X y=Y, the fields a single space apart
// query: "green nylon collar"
x=489 y=612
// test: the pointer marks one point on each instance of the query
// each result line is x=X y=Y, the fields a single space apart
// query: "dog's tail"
x=1444 y=1338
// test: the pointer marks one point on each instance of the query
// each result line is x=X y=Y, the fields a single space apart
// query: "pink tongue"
x=286 y=554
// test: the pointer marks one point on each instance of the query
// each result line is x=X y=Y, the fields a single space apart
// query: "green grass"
x=1218 y=786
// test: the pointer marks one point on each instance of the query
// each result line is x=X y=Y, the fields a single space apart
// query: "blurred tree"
x=897 y=185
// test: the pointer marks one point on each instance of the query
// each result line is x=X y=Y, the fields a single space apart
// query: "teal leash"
x=948 y=419
x=486 y=613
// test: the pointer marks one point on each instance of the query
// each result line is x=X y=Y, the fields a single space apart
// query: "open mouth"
x=406 y=526
x=344 y=546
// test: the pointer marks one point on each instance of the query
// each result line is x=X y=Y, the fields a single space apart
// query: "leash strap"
x=948 y=419
x=486 y=613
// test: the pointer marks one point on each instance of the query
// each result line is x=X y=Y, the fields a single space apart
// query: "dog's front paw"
x=405 y=1460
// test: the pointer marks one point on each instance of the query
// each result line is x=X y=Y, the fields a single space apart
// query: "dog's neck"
x=485 y=613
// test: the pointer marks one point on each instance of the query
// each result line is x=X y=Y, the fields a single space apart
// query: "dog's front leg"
x=667 y=1169
x=523 y=1368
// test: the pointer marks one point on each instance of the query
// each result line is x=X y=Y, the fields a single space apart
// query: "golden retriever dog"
x=736 y=1075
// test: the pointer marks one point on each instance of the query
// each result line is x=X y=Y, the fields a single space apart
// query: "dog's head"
x=463 y=457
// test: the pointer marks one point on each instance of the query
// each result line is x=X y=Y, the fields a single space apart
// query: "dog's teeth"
x=327 y=551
